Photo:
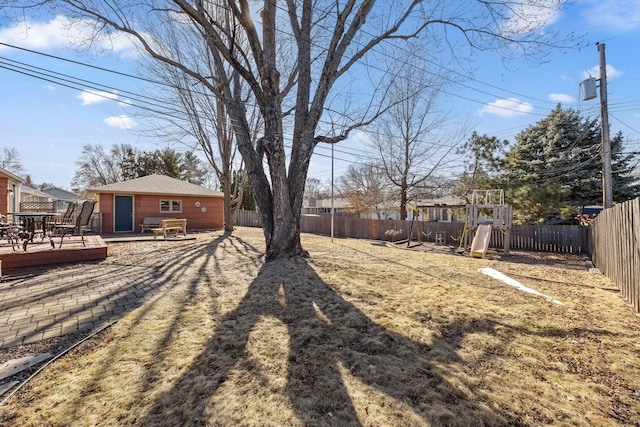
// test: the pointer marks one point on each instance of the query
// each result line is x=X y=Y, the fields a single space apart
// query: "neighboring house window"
x=438 y=214
x=432 y=214
x=170 y=205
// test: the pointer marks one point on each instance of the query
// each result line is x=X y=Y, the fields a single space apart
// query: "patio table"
x=28 y=220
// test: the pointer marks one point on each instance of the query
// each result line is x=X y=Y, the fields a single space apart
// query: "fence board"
x=543 y=238
x=614 y=241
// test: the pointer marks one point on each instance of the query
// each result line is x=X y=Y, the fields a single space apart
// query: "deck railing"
x=37 y=206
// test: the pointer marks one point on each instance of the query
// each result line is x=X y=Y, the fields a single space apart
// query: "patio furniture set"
x=25 y=226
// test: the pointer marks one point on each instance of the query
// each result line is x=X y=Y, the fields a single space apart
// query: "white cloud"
x=88 y=98
x=122 y=122
x=361 y=137
x=509 y=107
x=618 y=15
x=532 y=17
x=62 y=32
x=612 y=73
x=34 y=35
x=562 y=97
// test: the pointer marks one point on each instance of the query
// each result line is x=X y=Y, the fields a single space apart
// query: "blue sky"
x=49 y=123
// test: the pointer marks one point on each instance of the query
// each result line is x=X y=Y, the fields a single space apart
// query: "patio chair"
x=67 y=218
x=82 y=223
x=11 y=232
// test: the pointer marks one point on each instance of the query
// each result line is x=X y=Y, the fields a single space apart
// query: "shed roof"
x=157 y=184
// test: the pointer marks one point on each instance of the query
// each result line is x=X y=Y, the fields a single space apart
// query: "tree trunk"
x=285 y=239
x=228 y=202
x=403 y=203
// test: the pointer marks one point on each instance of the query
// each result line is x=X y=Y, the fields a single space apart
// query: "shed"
x=123 y=206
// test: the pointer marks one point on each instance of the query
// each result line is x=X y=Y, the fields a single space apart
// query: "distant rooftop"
x=61 y=194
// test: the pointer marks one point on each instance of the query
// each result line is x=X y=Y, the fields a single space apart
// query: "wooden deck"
x=42 y=254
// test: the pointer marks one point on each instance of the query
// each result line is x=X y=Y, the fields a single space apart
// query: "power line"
x=377 y=68
x=68 y=81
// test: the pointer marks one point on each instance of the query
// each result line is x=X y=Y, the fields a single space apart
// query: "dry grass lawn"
x=359 y=334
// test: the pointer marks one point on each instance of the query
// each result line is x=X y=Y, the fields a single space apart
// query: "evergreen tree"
x=625 y=185
x=128 y=162
x=555 y=168
x=483 y=155
x=193 y=170
x=171 y=162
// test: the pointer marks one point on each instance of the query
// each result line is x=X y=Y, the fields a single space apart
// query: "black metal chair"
x=11 y=232
x=83 y=223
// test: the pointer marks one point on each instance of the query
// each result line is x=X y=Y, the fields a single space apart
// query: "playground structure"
x=415 y=227
x=486 y=212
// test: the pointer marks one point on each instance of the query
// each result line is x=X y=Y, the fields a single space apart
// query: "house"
x=443 y=209
x=313 y=206
x=123 y=206
x=62 y=197
x=9 y=185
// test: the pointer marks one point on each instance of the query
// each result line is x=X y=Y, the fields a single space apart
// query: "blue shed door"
x=123 y=214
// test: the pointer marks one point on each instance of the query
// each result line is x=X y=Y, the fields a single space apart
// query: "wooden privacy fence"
x=247 y=218
x=543 y=238
x=615 y=248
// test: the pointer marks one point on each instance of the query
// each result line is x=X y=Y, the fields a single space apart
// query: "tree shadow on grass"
x=329 y=340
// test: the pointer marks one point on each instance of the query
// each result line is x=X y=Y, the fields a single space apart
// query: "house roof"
x=446 y=201
x=7 y=174
x=60 y=194
x=326 y=203
x=25 y=189
x=157 y=184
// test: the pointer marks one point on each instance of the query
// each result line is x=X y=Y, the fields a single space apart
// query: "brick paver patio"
x=64 y=299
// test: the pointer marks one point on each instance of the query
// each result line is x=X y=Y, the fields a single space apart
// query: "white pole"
x=331 y=193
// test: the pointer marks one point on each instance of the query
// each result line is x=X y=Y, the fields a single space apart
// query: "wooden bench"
x=150 y=222
x=171 y=227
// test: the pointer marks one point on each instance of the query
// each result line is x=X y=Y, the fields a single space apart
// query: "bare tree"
x=367 y=189
x=409 y=137
x=314 y=188
x=297 y=63
x=97 y=167
x=10 y=160
x=202 y=122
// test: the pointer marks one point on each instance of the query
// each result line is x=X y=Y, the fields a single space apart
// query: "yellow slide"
x=480 y=242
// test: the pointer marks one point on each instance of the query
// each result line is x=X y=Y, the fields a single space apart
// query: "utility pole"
x=332 y=193
x=607 y=189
